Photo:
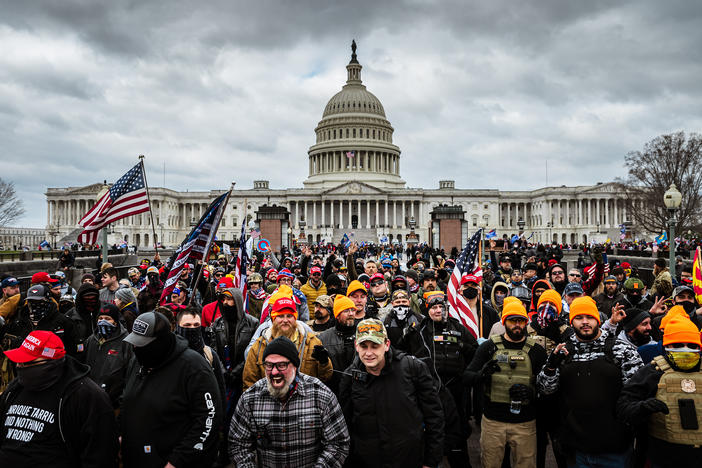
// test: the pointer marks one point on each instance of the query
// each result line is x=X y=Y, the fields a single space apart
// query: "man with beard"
x=506 y=367
x=358 y=293
x=314 y=286
x=314 y=358
x=161 y=428
x=52 y=414
x=664 y=397
x=83 y=315
x=609 y=297
x=399 y=318
x=287 y=418
x=391 y=405
x=148 y=297
x=589 y=370
x=323 y=309
x=663 y=282
x=428 y=283
x=232 y=331
x=107 y=354
x=635 y=326
x=556 y=276
x=338 y=341
x=683 y=296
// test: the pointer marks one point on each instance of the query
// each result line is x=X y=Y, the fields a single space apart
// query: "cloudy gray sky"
x=482 y=92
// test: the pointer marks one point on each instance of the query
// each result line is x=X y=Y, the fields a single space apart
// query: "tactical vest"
x=515 y=368
x=547 y=343
x=672 y=387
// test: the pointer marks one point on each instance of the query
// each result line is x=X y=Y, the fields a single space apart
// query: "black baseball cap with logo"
x=147 y=327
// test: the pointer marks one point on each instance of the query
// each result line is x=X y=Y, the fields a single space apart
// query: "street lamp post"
x=521 y=224
x=672 y=199
x=290 y=231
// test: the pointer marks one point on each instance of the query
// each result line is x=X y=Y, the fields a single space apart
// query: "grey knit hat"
x=125 y=295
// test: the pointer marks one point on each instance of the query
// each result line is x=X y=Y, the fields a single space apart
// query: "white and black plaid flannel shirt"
x=307 y=430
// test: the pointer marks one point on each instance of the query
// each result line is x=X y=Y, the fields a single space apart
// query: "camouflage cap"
x=325 y=301
x=371 y=330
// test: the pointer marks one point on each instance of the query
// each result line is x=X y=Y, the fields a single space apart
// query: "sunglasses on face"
x=558 y=273
x=376 y=283
x=577 y=275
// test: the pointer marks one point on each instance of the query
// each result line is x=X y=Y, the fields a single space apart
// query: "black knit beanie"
x=284 y=347
x=633 y=318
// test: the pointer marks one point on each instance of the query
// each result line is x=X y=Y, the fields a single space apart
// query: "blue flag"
x=662 y=238
x=345 y=240
x=44 y=244
x=491 y=234
x=514 y=238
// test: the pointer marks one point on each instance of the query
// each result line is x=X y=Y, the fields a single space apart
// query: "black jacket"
x=86 y=435
x=396 y=418
x=108 y=361
x=171 y=413
x=445 y=347
x=83 y=321
x=640 y=387
x=230 y=345
x=63 y=327
x=339 y=341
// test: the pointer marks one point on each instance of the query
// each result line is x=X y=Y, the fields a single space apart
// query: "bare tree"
x=10 y=206
x=672 y=158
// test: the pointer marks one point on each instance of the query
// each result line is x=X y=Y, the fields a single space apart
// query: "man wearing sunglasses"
x=287 y=418
x=52 y=414
x=314 y=287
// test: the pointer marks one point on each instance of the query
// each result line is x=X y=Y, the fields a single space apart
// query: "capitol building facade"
x=355 y=187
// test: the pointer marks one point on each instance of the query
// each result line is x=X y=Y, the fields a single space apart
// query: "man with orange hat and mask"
x=589 y=369
x=314 y=359
x=666 y=396
x=339 y=339
x=506 y=366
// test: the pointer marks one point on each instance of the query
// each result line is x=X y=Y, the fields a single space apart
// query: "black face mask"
x=42 y=376
x=39 y=309
x=229 y=312
x=633 y=298
x=470 y=293
x=690 y=307
x=155 y=353
x=193 y=335
x=91 y=303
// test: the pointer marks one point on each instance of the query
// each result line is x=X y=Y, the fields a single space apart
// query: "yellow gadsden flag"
x=697 y=276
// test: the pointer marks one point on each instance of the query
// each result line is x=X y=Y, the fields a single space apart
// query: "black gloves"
x=555 y=359
x=320 y=354
x=489 y=368
x=654 y=405
x=521 y=392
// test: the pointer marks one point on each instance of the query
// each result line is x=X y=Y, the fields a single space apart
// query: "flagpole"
x=480 y=296
x=218 y=218
x=148 y=197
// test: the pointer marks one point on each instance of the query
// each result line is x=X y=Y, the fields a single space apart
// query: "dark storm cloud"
x=223 y=90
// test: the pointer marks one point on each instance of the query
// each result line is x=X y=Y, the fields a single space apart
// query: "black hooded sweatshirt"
x=69 y=424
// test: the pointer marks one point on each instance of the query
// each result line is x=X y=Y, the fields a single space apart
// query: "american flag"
x=195 y=246
x=350 y=154
x=241 y=263
x=468 y=263
x=125 y=198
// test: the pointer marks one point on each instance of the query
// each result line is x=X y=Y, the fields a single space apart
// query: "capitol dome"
x=354 y=139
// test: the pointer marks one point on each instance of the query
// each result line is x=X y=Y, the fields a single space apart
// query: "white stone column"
x=615 y=222
x=368 y=214
x=377 y=211
x=402 y=223
x=420 y=222
x=394 y=214
x=314 y=214
x=597 y=201
x=509 y=215
x=349 y=216
x=385 y=220
x=324 y=221
x=331 y=214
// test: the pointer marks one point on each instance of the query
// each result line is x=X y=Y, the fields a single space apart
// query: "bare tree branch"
x=10 y=206
x=666 y=159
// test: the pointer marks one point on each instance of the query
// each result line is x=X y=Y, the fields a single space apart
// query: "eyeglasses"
x=281 y=366
x=577 y=275
x=558 y=273
x=376 y=283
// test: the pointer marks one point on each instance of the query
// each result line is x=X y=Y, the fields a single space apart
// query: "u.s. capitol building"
x=355 y=186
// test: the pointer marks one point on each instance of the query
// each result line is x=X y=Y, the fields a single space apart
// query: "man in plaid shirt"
x=287 y=418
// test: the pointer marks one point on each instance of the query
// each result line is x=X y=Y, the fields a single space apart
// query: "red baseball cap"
x=284 y=305
x=315 y=269
x=470 y=279
x=38 y=344
x=553 y=261
x=43 y=277
x=376 y=276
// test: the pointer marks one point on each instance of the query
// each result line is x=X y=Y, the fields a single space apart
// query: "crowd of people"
x=350 y=356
